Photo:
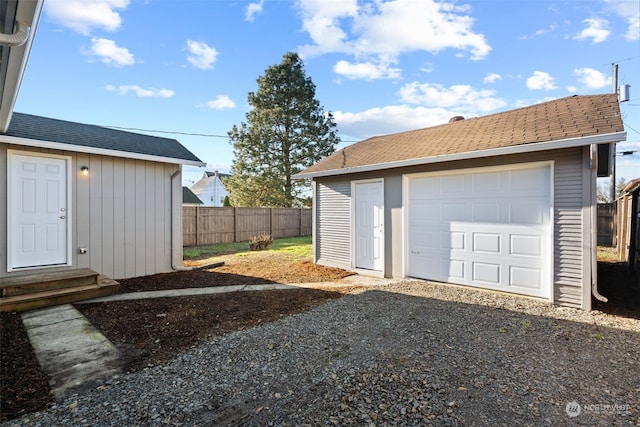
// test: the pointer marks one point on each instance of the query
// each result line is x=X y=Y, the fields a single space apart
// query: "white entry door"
x=369 y=224
x=38 y=211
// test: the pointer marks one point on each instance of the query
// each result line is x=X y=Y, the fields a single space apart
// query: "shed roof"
x=189 y=197
x=90 y=138
x=568 y=119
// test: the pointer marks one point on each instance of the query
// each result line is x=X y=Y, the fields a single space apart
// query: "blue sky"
x=379 y=66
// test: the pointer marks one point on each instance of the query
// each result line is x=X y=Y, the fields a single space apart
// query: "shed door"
x=38 y=211
x=369 y=225
x=486 y=228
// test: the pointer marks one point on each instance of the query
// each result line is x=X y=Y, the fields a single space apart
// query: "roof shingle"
x=571 y=117
x=60 y=131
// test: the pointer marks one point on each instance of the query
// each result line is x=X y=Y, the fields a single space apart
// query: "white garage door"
x=486 y=228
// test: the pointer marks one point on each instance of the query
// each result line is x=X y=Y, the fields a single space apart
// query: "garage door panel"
x=426 y=262
x=526 y=212
x=454 y=184
x=453 y=212
x=489 y=182
x=532 y=181
x=527 y=278
x=525 y=245
x=486 y=242
x=424 y=211
x=486 y=272
x=454 y=270
x=496 y=234
x=486 y=212
x=452 y=240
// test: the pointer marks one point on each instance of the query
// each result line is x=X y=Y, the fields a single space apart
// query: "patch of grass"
x=296 y=247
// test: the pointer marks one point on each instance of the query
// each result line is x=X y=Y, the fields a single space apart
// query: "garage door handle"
x=415 y=252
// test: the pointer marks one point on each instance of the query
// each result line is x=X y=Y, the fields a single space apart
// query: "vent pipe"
x=456 y=119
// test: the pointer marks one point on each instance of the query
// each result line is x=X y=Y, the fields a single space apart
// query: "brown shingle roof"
x=566 y=118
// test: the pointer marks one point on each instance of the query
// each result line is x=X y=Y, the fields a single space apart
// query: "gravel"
x=411 y=353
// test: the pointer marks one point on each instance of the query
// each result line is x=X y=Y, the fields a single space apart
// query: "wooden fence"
x=606 y=224
x=211 y=225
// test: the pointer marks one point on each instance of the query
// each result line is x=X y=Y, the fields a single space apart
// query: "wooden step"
x=57 y=296
x=21 y=285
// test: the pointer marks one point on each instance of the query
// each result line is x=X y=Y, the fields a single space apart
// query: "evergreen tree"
x=285 y=132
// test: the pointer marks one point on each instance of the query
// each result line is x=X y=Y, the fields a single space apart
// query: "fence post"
x=271 y=222
x=197 y=220
x=235 y=224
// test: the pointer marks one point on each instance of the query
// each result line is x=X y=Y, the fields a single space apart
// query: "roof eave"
x=29 y=13
x=502 y=151
x=101 y=151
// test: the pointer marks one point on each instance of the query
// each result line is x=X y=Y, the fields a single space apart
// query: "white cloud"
x=110 y=53
x=593 y=79
x=491 y=78
x=381 y=31
x=463 y=97
x=541 y=80
x=551 y=28
x=427 y=67
x=366 y=70
x=139 y=91
x=390 y=119
x=596 y=30
x=201 y=55
x=572 y=89
x=221 y=102
x=628 y=9
x=85 y=15
x=253 y=9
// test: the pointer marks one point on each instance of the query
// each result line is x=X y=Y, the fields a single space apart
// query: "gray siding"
x=121 y=212
x=571 y=274
x=568 y=224
x=333 y=223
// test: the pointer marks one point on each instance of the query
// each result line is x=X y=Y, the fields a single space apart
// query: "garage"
x=486 y=227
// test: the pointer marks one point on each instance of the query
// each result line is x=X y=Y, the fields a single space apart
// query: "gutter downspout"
x=18 y=38
x=175 y=267
x=593 y=236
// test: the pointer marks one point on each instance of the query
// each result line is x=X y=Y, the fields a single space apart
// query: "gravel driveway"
x=411 y=353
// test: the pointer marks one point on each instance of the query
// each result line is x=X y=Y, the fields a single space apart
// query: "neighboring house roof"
x=201 y=185
x=214 y=173
x=189 y=197
x=571 y=121
x=33 y=130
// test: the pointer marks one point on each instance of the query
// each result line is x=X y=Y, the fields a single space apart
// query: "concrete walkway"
x=69 y=349
x=73 y=353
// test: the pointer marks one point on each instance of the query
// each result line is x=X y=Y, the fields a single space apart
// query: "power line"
x=206 y=135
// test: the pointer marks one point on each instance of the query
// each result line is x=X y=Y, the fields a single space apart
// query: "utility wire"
x=205 y=135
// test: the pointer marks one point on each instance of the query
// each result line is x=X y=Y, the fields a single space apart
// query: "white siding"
x=121 y=212
x=333 y=220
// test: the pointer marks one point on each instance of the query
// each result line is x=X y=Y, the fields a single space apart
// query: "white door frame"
x=11 y=233
x=354 y=204
x=545 y=163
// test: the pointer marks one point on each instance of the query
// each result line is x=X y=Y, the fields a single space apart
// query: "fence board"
x=212 y=225
x=606 y=224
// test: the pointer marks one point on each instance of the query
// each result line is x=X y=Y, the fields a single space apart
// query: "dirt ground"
x=153 y=331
